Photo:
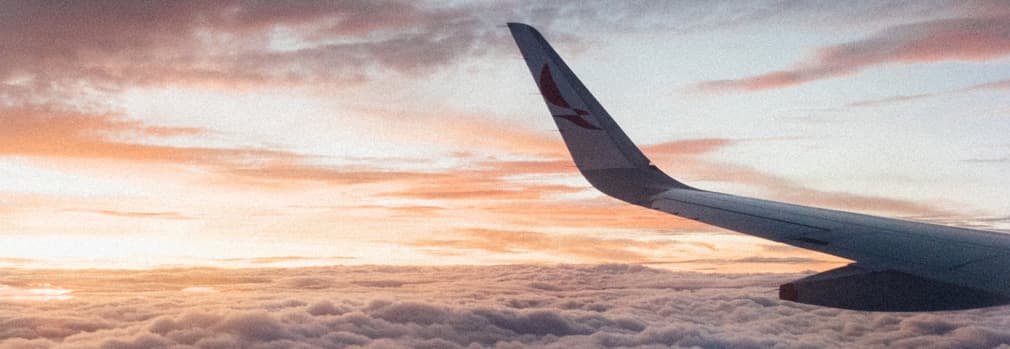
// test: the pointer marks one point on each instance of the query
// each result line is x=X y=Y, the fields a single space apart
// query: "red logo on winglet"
x=553 y=96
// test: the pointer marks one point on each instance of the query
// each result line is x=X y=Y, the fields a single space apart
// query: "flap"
x=858 y=288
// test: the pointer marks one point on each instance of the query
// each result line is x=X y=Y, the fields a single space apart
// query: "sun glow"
x=34 y=292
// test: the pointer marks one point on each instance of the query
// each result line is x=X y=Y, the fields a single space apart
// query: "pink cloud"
x=688 y=147
x=959 y=39
x=989 y=86
x=232 y=44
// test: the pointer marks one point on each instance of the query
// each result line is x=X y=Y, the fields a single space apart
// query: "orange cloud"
x=139 y=214
x=464 y=131
x=958 y=39
x=45 y=132
x=484 y=189
x=587 y=248
x=492 y=180
x=586 y=213
x=487 y=180
x=41 y=132
x=687 y=147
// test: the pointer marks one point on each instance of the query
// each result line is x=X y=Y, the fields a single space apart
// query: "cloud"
x=57 y=50
x=47 y=132
x=199 y=289
x=53 y=133
x=760 y=260
x=989 y=86
x=139 y=214
x=489 y=180
x=502 y=186
x=507 y=191
x=971 y=39
x=54 y=54
x=600 y=306
x=280 y=259
x=106 y=48
x=994 y=85
x=57 y=134
x=657 y=249
x=33 y=292
x=688 y=147
x=466 y=132
x=892 y=99
x=784 y=189
x=574 y=246
x=995 y=160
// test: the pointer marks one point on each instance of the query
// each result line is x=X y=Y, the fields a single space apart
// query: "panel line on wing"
x=815 y=228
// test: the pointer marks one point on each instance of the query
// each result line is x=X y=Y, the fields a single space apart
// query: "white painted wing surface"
x=899 y=265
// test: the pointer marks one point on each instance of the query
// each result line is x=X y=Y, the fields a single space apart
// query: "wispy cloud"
x=974 y=39
x=688 y=147
x=788 y=190
x=996 y=160
x=892 y=99
x=48 y=132
x=994 y=85
x=577 y=246
x=139 y=214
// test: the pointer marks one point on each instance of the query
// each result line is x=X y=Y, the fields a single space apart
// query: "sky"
x=145 y=135
x=378 y=174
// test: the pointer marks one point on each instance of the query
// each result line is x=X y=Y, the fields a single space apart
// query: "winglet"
x=603 y=153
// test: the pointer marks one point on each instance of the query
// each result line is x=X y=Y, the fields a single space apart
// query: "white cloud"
x=458 y=307
x=34 y=292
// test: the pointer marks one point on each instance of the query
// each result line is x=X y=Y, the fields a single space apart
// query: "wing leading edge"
x=899 y=265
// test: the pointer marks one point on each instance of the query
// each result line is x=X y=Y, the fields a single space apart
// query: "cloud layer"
x=605 y=306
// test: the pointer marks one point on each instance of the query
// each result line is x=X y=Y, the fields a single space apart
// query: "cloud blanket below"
x=602 y=306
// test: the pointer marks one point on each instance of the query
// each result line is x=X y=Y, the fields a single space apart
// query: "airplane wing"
x=898 y=265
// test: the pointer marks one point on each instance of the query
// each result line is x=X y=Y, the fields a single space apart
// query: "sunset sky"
x=246 y=133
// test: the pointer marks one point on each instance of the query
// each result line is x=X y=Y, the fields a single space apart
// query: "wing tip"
x=612 y=163
x=520 y=27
